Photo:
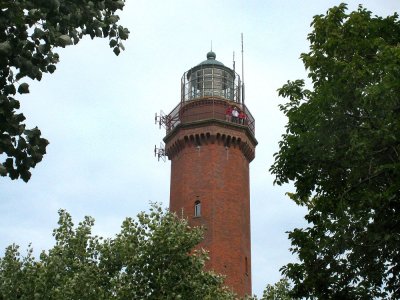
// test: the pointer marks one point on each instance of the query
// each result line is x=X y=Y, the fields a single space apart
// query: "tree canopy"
x=153 y=257
x=30 y=30
x=341 y=149
x=278 y=291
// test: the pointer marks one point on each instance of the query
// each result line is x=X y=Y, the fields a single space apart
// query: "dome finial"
x=211 y=54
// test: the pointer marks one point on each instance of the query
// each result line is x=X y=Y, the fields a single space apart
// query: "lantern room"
x=208 y=91
x=211 y=78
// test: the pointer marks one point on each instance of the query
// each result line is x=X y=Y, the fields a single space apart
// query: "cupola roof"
x=211 y=60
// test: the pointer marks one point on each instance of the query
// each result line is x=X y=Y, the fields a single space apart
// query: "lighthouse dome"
x=211 y=60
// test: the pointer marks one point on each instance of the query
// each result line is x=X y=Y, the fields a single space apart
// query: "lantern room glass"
x=211 y=81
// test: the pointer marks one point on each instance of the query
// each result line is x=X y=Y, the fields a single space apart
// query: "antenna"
x=163 y=120
x=233 y=61
x=160 y=152
x=242 y=72
x=211 y=45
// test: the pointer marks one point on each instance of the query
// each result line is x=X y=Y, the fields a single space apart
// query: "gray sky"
x=97 y=110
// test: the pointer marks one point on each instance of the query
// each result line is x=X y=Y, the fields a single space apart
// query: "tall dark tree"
x=342 y=151
x=153 y=257
x=30 y=30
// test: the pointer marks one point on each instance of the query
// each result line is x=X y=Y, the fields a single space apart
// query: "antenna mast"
x=242 y=72
x=233 y=61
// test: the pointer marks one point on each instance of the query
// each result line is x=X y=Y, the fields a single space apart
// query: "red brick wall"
x=210 y=163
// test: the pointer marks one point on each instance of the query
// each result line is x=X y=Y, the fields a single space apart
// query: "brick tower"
x=210 y=152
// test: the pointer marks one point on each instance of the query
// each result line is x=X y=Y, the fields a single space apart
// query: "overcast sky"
x=97 y=110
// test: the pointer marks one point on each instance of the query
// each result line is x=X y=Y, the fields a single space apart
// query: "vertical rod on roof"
x=242 y=72
x=183 y=83
x=234 y=78
x=233 y=61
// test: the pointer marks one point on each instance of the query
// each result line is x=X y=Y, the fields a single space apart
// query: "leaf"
x=116 y=51
x=3 y=170
x=23 y=88
x=123 y=32
x=64 y=40
x=113 y=43
x=38 y=33
x=25 y=175
x=113 y=19
x=5 y=48
x=113 y=33
x=119 y=4
x=42 y=48
x=99 y=32
x=51 y=68
x=9 y=89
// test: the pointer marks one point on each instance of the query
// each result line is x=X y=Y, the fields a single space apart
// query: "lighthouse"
x=210 y=141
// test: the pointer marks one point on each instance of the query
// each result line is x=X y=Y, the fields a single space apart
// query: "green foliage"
x=151 y=258
x=341 y=149
x=30 y=30
x=278 y=291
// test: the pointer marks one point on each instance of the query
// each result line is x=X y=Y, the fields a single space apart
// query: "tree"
x=341 y=149
x=30 y=30
x=151 y=258
x=278 y=291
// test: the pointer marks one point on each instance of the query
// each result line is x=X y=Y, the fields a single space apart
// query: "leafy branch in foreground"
x=30 y=30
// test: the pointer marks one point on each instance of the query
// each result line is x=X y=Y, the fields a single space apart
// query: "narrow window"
x=246 y=266
x=197 y=209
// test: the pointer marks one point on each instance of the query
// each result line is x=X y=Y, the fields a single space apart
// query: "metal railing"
x=207 y=108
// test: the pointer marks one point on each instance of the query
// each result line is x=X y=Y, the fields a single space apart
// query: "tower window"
x=197 y=208
x=246 y=266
